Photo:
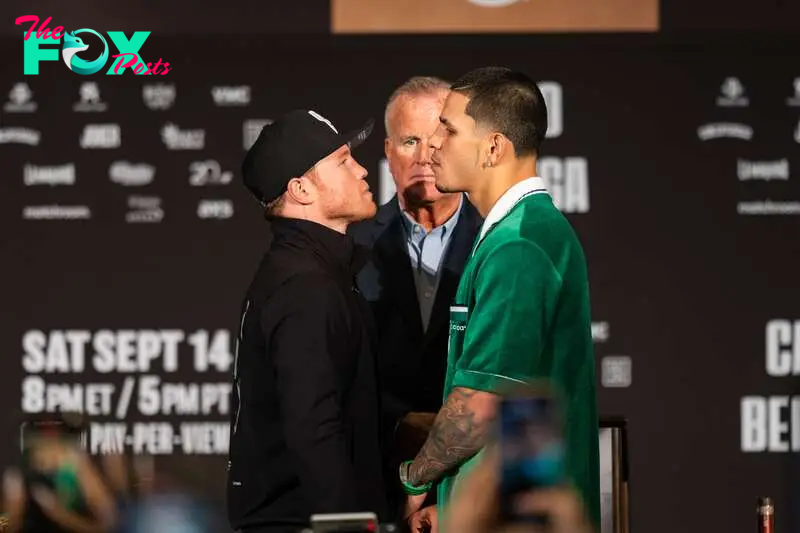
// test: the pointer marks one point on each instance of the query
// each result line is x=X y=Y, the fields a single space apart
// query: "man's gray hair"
x=418 y=85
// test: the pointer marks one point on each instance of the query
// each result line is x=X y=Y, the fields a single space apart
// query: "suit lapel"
x=390 y=247
x=455 y=258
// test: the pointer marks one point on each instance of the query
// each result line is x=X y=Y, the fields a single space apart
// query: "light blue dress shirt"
x=426 y=251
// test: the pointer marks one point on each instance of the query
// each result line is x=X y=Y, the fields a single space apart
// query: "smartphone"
x=344 y=523
x=531 y=442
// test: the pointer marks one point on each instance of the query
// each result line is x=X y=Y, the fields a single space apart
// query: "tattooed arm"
x=458 y=433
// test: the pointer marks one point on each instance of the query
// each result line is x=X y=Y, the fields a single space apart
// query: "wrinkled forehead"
x=418 y=105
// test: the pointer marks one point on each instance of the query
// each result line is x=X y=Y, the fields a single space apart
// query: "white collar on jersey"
x=508 y=200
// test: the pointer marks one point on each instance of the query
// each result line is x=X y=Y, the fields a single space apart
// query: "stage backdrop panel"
x=319 y=16
x=481 y=16
x=128 y=240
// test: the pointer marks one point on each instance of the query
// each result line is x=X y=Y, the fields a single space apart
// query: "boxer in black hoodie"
x=305 y=407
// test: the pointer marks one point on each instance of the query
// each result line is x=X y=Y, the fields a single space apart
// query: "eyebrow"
x=445 y=122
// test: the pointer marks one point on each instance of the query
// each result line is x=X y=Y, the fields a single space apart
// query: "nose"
x=435 y=141
x=361 y=172
x=424 y=153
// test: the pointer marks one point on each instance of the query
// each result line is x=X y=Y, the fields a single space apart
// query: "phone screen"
x=531 y=448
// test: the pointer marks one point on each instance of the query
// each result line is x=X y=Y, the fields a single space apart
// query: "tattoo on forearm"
x=456 y=435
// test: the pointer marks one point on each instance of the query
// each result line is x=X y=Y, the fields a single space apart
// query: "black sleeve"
x=310 y=329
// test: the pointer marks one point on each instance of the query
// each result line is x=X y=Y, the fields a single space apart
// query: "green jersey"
x=522 y=313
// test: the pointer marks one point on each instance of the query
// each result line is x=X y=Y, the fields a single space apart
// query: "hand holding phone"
x=531 y=446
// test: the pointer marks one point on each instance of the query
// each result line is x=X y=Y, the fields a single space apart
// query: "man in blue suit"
x=420 y=241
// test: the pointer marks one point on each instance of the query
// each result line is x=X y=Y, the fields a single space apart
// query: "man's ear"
x=301 y=190
x=497 y=147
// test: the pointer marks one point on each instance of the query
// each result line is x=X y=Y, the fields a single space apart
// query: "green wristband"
x=408 y=488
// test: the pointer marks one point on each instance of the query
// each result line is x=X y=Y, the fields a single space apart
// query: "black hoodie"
x=305 y=404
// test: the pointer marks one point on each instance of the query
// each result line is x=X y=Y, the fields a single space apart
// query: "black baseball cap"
x=289 y=147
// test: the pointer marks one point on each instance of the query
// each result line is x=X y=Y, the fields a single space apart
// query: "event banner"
x=323 y=17
x=129 y=240
x=499 y=16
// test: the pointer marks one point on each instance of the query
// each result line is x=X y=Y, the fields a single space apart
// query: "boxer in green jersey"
x=522 y=309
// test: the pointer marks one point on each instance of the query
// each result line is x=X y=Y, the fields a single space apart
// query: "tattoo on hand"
x=457 y=434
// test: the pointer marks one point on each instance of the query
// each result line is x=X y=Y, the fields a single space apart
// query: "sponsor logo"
x=20 y=135
x=616 y=371
x=251 y=130
x=768 y=207
x=128 y=49
x=762 y=170
x=130 y=174
x=20 y=99
x=159 y=96
x=324 y=120
x=732 y=93
x=144 y=209
x=725 y=130
x=600 y=331
x=794 y=101
x=202 y=173
x=59 y=175
x=231 y=96
x=176 y=139
x=101 y=136
x=220 y=209
x=90 y=98
x=56 y=212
